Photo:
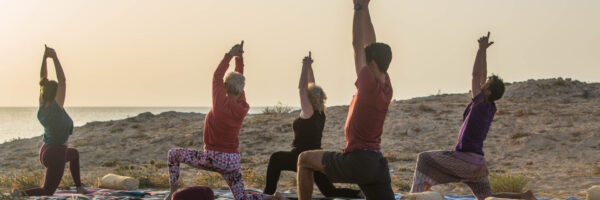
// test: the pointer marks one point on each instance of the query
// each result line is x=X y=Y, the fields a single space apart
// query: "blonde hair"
x=235 y=82
x=317 y=97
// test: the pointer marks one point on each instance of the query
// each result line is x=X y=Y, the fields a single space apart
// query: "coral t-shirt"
x=224 y=120
x=367 y=111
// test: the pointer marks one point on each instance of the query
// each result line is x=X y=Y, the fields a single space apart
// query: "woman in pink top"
x=221 y=128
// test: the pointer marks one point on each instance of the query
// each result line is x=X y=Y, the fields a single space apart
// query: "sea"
x=21 y=122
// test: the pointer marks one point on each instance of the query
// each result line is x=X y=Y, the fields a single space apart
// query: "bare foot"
x=81 y=190
x=529 y=195
x=280 y=196
x=361 y=195
x=168 y=197
x=172 y=191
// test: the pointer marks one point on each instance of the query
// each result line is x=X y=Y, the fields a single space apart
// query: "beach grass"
x=508 y=182
x=279 y=108
x=22 y=179
x=596 y=170
x=149 y=175
x=11 y=197
x=210 y=179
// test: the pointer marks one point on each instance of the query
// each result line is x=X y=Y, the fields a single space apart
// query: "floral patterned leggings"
x=226 y=164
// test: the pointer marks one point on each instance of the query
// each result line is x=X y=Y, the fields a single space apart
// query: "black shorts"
x=366 y=168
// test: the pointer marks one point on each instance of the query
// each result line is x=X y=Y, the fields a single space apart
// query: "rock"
x=113 y=181
x=593 y=193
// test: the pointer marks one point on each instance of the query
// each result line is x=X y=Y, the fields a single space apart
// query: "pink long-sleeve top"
x=224 y=120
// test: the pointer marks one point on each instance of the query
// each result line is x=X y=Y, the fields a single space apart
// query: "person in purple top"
x=467 y=163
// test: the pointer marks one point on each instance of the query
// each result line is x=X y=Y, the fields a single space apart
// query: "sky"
x=163 y=53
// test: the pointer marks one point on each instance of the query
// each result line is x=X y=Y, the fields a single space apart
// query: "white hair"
x=235 y=82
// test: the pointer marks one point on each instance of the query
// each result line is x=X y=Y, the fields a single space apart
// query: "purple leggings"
x=53 y=157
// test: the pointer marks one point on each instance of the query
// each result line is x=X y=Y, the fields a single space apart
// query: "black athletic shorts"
x=368 y=169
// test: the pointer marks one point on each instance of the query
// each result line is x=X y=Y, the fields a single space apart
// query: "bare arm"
x=307 y=109
x=311 y=75
x=369 y=33
x=358 y=39
x=239 y=60
x=480 y=65
x=218 y=89
x=43 y=71
x=60 y=75
x=239 y=65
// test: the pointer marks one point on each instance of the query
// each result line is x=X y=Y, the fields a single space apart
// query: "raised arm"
x=44 y=70
x=60 y=75
x=360 y=23
x=369 y=30
x=311 y=75
x=239 y=60
x=218 y=90
x=307 y=109
x=480 y=66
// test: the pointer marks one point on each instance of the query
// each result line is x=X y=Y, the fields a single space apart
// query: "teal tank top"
x=58 y=125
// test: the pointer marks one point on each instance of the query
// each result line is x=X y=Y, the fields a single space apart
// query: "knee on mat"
x=420 y=156
x=304 y=159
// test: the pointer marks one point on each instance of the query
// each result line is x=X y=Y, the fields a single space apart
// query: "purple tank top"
x=477 y=119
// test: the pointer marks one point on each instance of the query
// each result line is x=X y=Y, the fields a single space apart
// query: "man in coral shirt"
x=362 y=161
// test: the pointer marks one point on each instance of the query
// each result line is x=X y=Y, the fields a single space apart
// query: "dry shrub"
x=279 y=108
x=400 y=184
x=596 y=170
x=149 y=175
x=524 y=112
x=11 y=197
x=394 y=157
x=519 y=135
x=502 y=112
x=508 y=182
x=404 y=169
x=210 y=179
x=109 y=163
x=253 y=178
x=22 y=179
x=560 y=82
x=425 y=108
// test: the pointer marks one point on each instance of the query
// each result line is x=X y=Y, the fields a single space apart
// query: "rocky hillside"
x=547 y=129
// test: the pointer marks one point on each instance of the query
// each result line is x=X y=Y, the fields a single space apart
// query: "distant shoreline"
x=21 y=122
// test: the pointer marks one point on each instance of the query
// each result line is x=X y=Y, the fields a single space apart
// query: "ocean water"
x=21 y=122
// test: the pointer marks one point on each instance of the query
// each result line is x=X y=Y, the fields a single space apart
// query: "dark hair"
x=496 y=88
x=48 y=89
x=380 y=53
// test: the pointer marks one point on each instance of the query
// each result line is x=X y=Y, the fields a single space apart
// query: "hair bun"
x=44 y=82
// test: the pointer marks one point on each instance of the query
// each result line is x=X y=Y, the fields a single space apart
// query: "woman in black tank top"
x=308 y=131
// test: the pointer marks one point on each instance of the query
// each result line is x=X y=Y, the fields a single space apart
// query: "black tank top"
x=308 y=132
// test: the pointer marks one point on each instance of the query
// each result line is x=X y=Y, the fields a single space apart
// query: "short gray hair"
x=235 y=81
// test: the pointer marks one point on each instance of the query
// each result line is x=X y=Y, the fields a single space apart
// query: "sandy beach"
x=546 y=129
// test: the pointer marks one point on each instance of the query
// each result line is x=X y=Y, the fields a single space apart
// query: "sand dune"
x=546 y=129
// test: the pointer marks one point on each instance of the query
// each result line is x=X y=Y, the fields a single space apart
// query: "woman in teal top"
x=54 y=152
